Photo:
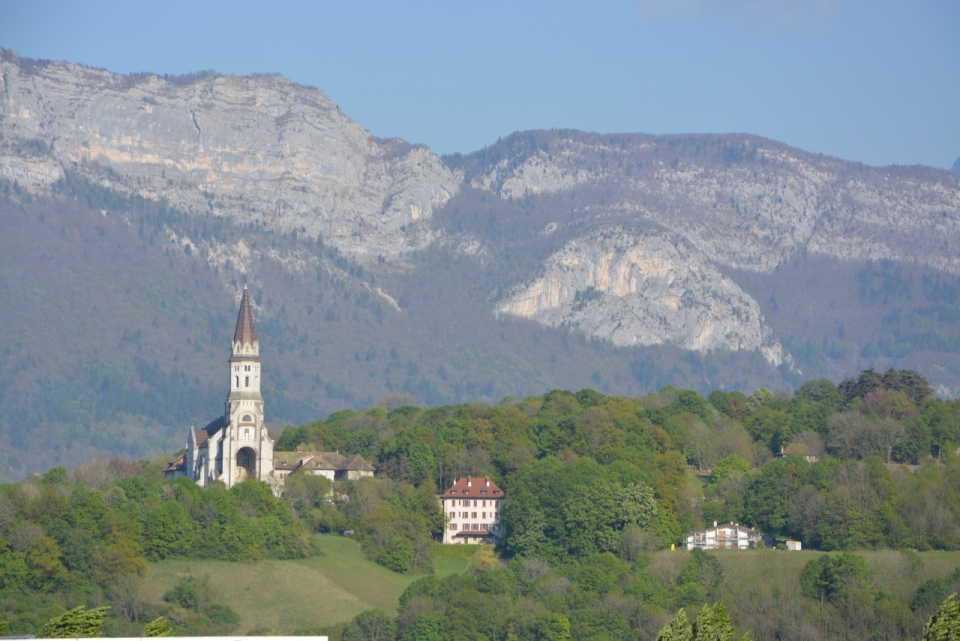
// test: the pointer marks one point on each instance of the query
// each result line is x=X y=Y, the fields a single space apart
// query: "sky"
x=875 y=81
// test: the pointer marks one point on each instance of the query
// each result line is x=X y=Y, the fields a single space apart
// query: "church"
x=235 y=446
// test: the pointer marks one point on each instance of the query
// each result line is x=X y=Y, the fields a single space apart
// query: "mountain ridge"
x=420 y=305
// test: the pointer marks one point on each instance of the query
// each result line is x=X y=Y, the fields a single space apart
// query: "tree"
x=426 y=628
x=713 y=624
x=944 y=625
x=729 y=465
x=371 y=625
x=677 y=630
x=835 y=577
x=159 y=627
x=78 y=623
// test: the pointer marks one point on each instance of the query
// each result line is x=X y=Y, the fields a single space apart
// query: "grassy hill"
x=286 y=596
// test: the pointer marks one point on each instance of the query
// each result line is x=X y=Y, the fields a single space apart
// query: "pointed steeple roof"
x=245 y=334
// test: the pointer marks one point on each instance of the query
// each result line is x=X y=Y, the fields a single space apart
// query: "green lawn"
x=285 y=596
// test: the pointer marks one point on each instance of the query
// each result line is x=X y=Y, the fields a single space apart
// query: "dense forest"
x=596 y=486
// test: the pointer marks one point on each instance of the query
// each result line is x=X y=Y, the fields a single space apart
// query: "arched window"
x=247 y=382
x=246 y=418
x=238 y=381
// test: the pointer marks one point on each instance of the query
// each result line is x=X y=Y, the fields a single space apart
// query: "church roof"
x=176 y=465
x=212 y=428
x=245 y=334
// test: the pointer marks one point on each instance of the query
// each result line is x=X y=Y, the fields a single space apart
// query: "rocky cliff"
x=646 y=289
x=258 y=150
x=744 y=201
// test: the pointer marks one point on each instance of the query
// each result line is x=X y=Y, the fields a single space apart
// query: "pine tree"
x=78 y=623
x=159 y=627
x=677 y=630
x=944 y=625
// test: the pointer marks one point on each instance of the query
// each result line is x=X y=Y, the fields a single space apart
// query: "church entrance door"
x=246 y=464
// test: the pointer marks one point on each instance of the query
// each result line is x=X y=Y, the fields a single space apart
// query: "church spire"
x=245 y=334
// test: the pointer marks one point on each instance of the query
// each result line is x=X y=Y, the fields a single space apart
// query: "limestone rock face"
x=646 y=289
x=257 y=149
x=744 y=201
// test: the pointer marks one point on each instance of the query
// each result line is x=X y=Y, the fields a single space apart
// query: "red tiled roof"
x=474 y=488
x=202 y=436
x=176 y=464
x=245 y=334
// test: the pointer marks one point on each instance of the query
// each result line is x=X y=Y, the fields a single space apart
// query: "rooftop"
x=474 y=488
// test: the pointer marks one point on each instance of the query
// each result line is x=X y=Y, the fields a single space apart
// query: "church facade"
x=235 y=446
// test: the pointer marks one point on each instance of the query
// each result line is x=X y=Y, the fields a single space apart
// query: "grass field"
x=285 y=596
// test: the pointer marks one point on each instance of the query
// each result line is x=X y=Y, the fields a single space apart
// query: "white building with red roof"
x=472 y=507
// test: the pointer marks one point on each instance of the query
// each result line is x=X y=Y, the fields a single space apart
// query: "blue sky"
x=876 y=81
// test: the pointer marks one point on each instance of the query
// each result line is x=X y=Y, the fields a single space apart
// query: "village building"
x=332 y=465
x=236 y=446
x=729 y=536
x=472 y=507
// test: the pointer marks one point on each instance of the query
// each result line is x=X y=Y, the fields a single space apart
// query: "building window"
x=247 y=382
x=484 y=504
x=238 y=380
x=453 y=526
x=483 y=492
x=474 y=515
x=484 y=515
x=474 y=504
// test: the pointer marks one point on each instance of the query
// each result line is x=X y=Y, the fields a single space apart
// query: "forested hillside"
x=596 y=486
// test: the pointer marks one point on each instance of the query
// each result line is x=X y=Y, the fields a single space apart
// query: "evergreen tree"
x=78 y=623
x=944 y=625
x=159 y=627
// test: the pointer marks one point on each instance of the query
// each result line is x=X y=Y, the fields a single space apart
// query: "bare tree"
x=803 y=513
x=24 y=536
x=129 y=598
x=534 y=568
x=889 y=433
x=394 y=400
x=634 y=542
x=700 y=438
x=95 y=475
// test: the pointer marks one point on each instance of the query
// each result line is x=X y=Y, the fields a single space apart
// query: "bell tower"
x=246 y=448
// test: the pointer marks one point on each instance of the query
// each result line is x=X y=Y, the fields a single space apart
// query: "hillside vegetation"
x=595 y=486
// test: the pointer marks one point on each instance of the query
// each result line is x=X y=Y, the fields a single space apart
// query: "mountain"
x=134 y=206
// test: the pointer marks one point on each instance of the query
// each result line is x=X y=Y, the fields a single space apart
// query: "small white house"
x=794 y=546
x=729 y=536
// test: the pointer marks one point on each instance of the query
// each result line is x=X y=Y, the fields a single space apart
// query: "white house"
x=472 y=507
x=729 y=536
